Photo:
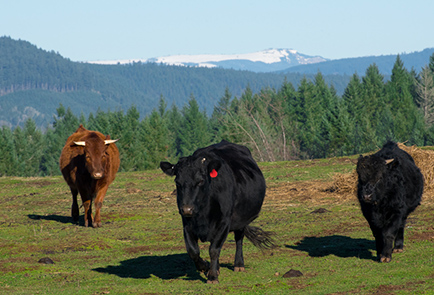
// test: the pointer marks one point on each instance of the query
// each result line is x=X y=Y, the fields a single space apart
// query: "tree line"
x=287 y=123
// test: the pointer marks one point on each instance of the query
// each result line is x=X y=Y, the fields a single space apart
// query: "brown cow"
x=89 y=162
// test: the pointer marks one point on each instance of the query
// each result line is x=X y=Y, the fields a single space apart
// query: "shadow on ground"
x=340 y=246
x=58 y=218
x=164 y=267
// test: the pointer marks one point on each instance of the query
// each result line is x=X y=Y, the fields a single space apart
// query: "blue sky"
x=86 y=30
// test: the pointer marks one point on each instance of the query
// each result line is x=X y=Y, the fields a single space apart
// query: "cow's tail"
x=260 y=238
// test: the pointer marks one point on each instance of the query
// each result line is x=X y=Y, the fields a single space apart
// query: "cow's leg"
x=98 y=205
x=399 y=240
x=389 y=235
x=194 y=251
x=87 y=212
x=239 y=259
x=75 y=213
x=378 y=235
x=214 y=255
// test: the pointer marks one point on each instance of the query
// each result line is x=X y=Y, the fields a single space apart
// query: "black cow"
x=390 y=187
x=220 y=188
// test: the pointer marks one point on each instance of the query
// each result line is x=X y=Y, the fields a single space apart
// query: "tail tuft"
x=260 y=238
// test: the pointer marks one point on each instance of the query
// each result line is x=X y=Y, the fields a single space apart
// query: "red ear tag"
x=213 y=173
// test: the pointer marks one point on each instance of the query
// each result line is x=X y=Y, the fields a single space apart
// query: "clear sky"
x=89 y=30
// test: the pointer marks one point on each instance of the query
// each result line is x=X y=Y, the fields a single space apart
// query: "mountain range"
x=269 y=60
x=287 y=61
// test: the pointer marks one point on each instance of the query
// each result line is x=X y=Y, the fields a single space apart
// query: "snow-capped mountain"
x=262 y=61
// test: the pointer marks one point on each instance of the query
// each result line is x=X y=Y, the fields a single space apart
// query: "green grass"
x=140 y=248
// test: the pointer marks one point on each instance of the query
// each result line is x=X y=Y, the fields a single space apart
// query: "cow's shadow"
x=340 y=246
x=58 y=218
x=164 y=267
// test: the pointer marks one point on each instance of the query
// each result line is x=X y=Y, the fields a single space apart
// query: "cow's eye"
x=200 y=182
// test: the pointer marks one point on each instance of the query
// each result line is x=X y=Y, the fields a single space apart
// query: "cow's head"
x=371 y=171
x=193 y=176
x=95 y=152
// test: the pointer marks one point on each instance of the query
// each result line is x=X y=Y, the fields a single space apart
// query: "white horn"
x=389 y=161
x=203 y=160
x=80 y=143
x=109 y=141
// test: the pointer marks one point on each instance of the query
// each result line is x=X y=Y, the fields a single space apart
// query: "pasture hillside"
x=140 y=248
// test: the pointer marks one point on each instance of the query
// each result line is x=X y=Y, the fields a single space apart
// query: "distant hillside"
x=349 y=66
x=33 y=83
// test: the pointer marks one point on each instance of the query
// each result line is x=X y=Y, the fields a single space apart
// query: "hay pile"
x=345 y=183
x=424 y=159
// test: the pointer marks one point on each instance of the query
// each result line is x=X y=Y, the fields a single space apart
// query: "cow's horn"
x=81 y=143
x=389 y=161
x=109 y=141
x=203 y=160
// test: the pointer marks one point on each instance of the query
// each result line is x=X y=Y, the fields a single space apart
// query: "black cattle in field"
x=390 y=188
x=220 y=189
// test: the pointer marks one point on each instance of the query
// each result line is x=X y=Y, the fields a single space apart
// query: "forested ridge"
x=41 y=80
x=277 y=124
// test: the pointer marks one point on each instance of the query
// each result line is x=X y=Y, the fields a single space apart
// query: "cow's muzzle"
x=97 y=175
x=367 y=198
x=187 y=211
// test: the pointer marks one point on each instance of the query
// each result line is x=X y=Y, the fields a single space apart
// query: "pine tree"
x=282 y=113
x=402 y=107
x=50 y=153
x=353 y=112
x=309 y=114
x=174 y=119
x=219 y=118
x=8 y=155
x=32 y=150
x=374 y=106
x=154 y=133
x=194 y=132
x=20 y=148
x=129 y=144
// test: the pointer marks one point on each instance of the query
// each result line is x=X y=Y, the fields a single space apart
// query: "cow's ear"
x=167 y=168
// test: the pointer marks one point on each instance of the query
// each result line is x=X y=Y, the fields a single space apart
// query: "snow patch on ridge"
x=276 y=58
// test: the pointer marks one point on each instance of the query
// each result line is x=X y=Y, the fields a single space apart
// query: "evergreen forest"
x=289 y=122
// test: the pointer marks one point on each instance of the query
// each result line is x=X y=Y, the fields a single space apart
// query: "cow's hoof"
x=384 y=259
x=239 y=269
x=398 y=250
x=212 y=281
x=96 y=224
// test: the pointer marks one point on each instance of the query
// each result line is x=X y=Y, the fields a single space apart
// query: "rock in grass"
x=292 y=273
x=46 y=260
x=320 y=211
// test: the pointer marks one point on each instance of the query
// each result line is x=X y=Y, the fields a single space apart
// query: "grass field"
x=140 y=248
